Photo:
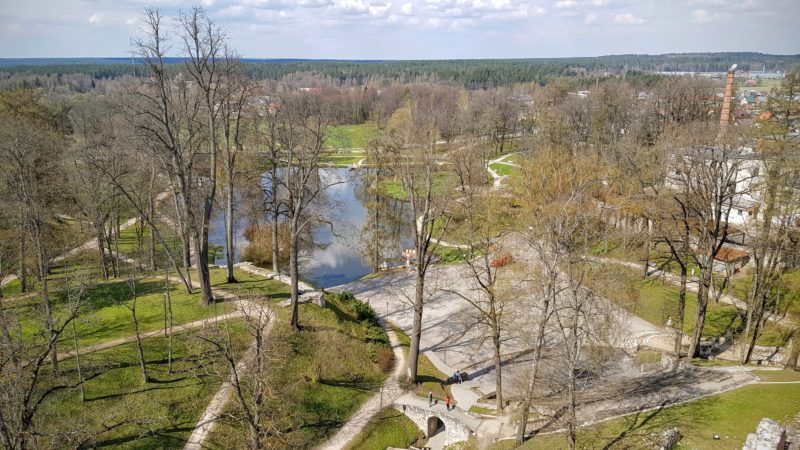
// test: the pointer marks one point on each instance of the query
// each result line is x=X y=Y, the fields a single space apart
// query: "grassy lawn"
x=12 y=288
x=319 y=376
x=390 y=428
x=394 y=189
x=160 y=414
x=129 y=245
x=777 y=375
x=429 y=378
x=502 y=169
x=105 y=315
x=732 y=415
x=351 y=136
x=248 y=284
x=656 y=301
x=343 y=160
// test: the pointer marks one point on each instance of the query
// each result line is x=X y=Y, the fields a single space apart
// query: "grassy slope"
x=655 y=301
x=166 y=408
x=308 y=412
x=429 y=378
x=731 y=415
x=105 y=315
x=351 y=136
x=390 y=428
x=502 y=169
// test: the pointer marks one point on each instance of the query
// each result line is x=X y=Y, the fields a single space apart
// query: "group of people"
x=448 y=403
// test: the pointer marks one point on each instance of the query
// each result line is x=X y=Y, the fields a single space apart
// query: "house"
x=730 y=260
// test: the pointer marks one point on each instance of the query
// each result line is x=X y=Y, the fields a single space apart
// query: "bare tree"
x=412 y=139
x=302 y=144
x=779 y=191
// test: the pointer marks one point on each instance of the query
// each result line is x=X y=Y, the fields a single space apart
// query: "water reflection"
x=364 y=230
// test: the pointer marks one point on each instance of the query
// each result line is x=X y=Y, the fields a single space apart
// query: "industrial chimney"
x=725 y=114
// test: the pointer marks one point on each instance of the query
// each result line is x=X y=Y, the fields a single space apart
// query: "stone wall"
x=455 y=430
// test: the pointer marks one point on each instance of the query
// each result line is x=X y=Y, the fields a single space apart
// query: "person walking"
x=430 y=398
x=447 y=402
x=458 y=377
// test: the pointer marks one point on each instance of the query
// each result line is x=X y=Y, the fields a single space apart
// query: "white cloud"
x=590 y=18
x=96 y=18
x=702 y=16
x=628 y=19
x=407 y=9
x=566 y=4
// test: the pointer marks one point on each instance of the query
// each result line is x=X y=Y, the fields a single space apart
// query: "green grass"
x=429 y=378
x=12 y=288
x=351 y=136
x=161 y=413
x=482 y=410
x=343 y=160
x=248 y=284
x=502 y=169
x=390 y=428
x=129 y=245
x=394 y=189
x=656 y=301
x=351 y=356
x=732 y=415
x=647 y=357
x=778 y=375
x=105 y=316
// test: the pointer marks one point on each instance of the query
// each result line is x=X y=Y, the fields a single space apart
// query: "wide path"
x=390 y=392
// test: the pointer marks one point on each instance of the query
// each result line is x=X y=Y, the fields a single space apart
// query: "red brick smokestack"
x=725 y=114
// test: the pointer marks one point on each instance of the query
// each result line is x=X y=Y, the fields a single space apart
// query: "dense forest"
x=472 y=74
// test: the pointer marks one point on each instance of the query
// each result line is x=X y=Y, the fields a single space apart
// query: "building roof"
x=730 y=254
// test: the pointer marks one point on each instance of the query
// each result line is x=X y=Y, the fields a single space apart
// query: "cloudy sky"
x=416 y=29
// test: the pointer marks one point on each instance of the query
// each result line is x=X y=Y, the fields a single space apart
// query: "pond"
x=339 y=250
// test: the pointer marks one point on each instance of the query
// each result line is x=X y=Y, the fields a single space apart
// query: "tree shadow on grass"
x=166 y=438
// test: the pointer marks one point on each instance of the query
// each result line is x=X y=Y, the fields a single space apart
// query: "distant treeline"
x=471 y=73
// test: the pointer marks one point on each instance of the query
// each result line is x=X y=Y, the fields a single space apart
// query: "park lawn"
x=389 y=428
x=777 y=375
x=105 y=314
x=429 y=378
x=502 y=169
x=129 y=245
x=351 y=136
x=12 y=288
x=160 y=414
x=656 y=301
x=394 y=189
x=351 y=356
x=343 y=160
x=732 y=415
x=248 y=284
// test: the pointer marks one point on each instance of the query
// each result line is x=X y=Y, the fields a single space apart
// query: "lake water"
x=336 y=257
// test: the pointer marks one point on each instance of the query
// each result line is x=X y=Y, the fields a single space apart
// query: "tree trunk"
x=100 y=228
x=498 y=367
x=700 y=314
x=78 y=361
x=203 y=274
x=23 y=277
x=229 y=229
x=681 y=313
x=139 y=349
x=416 y=328
x=275 y=243
x=294 y=273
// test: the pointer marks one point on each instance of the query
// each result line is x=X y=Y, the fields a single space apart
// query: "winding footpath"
x=390 y=391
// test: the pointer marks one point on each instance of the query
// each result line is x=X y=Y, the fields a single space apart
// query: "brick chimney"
x=725 y=114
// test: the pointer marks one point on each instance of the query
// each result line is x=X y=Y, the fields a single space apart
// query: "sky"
x=414 y=29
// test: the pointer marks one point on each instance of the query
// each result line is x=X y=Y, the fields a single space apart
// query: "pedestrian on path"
x=447 y=402
x=458 y=377
x=430 y=398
